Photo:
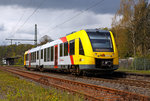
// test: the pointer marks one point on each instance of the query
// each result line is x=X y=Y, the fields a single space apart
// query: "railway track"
x=90 y=92
x=124 y=81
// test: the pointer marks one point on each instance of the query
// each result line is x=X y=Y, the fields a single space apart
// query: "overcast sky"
x=54 y=18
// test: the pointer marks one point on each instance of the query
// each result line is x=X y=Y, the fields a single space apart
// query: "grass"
x=134 y=71
x=13 y=65
x=13 y=88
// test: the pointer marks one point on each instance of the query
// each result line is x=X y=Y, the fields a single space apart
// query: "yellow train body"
x=89 y=57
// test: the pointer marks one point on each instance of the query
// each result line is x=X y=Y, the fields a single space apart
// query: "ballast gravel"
x=123 y=87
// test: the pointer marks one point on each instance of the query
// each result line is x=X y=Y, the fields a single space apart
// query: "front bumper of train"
x=94 y=68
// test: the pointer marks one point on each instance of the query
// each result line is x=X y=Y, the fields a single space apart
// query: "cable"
x=76 y=15
x=30 y=16
x=19 y=20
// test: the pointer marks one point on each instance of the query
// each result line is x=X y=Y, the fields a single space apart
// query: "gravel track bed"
x=138 y=90
x=134 y=89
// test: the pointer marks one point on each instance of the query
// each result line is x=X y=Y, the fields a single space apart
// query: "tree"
x=45 y=39
x=130 y=22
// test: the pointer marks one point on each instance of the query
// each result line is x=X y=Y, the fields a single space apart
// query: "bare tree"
x=45 y=39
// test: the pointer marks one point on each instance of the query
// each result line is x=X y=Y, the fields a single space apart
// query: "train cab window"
x=61 y=49
x=45 y=55
x=101 y=41
x=48 y=54
x=72 y=47
x=52 y=53
x=37 y=55
x=66 y=49
x=42 y=54
x=81 y=51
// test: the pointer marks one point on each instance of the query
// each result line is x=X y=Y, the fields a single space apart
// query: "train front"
x=104 y=52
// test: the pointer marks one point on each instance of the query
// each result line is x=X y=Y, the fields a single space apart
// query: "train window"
x=52 y=53
x=34 y=56
x=31 y=57
x=81 y=51
x=48 y=54
x=72 y=47
x=45 y=55
x=42 y=54
x=61 y=48
x=66 y=49
x=37 y=55
x=101 y=41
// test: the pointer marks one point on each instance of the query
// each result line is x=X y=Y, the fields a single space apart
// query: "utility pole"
x=35 y=39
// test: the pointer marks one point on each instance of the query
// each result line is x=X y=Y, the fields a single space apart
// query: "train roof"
x=95 y=30
x=53 y=43
x=35 y=49
x=48 y=44
x=89 y=30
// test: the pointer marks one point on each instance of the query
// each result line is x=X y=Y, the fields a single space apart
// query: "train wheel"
x=78 y=71
x=28 y=68
x=72 y=70
x=41 y=69
x=37 y=68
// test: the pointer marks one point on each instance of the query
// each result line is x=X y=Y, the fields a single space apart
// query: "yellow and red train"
x=90 y=50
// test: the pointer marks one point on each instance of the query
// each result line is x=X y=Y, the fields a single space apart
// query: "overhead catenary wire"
x=19 y=20
x=35 y=10
x=81 y=12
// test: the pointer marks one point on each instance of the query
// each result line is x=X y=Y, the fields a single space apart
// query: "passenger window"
x=52 y=53
x=66 y=49
x=37 y=55
x=72 y=47
x=44 y=55
x=48 y=54
x=81 y=51
x=61 y=48
x=34 y=56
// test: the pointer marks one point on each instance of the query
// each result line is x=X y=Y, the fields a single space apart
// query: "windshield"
x=101 y=41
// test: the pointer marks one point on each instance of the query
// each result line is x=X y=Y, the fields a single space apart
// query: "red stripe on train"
x=71 y=57
x=55 y=66
x=63 y=39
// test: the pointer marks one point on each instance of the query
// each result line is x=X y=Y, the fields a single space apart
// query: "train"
x=83 y=51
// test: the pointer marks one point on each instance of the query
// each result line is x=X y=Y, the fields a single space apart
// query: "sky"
x=54 y=18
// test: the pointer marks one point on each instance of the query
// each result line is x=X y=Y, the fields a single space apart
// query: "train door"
x=77 y=51
x=56 y=57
